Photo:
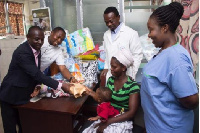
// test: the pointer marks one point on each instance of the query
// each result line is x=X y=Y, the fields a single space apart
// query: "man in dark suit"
x=22 y=77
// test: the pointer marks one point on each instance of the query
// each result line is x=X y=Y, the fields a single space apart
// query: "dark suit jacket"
x=22 y=77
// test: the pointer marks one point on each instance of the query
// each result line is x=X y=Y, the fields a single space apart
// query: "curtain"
x=15 y=11
x=188 y=30
x=2 y=19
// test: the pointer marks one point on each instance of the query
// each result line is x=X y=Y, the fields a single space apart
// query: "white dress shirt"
x=49 y=54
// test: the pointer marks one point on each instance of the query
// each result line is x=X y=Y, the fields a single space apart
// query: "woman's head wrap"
x=125 y=57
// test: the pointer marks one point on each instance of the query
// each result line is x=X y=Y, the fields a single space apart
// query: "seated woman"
x=125 y=93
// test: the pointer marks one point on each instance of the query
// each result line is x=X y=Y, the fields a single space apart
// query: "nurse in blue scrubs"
x=168 y=90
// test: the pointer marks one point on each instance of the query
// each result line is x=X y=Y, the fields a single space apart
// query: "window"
x=2 y=20
x=15 y=18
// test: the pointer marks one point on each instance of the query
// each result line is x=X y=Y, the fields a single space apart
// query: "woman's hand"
x=101 y=127
x=190 y=102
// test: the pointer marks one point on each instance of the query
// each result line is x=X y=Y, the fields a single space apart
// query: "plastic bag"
x=101 y=60
x=148 y=48
x=86 y=57
x=79 y=41
x=76 y=72
x=89 y=71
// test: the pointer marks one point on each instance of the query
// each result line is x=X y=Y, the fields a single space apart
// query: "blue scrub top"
x=167 y=77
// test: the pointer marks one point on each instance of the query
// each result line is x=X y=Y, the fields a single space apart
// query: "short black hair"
x=59 y=29
x=106 y=94
x=32 y=28
x=169 y=14
x=111 y=9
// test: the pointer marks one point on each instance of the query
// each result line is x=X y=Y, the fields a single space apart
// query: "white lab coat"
x=127 y=38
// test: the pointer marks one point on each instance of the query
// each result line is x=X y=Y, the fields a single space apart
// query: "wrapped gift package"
x=77 y=90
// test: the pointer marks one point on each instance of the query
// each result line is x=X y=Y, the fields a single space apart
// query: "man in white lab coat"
x=120 y=36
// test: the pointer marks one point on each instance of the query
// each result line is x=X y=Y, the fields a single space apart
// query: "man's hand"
x=73 y=80
x=66 y=74
x=36 y=91
x=104 y=72
x=66 y=87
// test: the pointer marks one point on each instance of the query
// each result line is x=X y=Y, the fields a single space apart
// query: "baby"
x=104 y=110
